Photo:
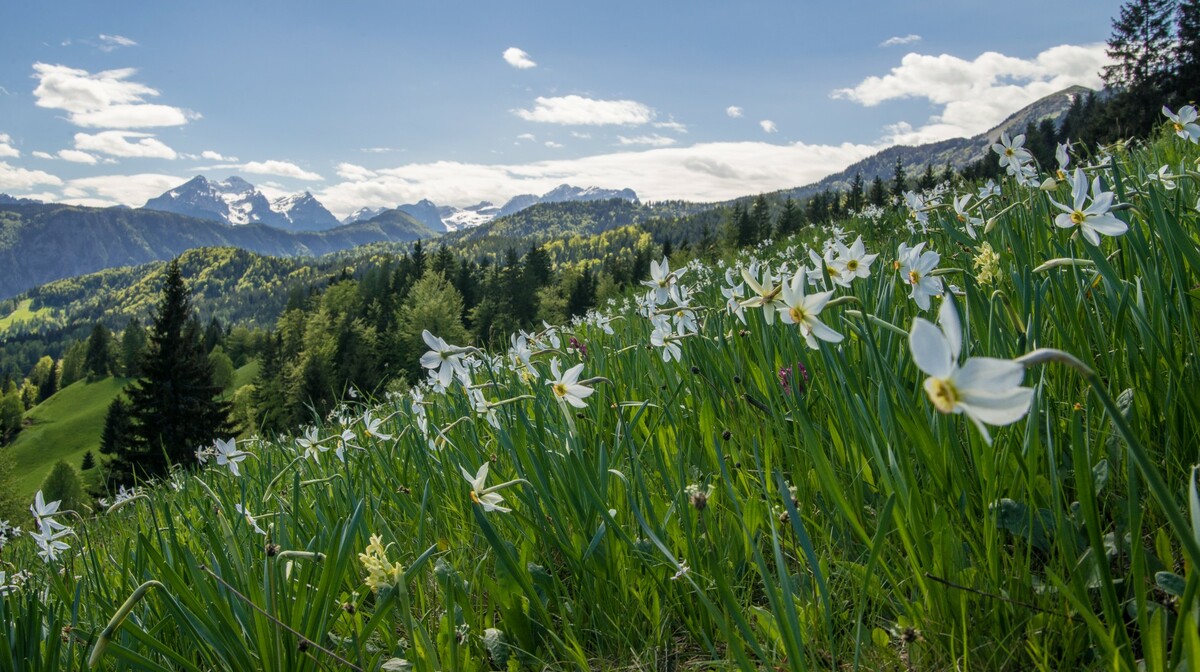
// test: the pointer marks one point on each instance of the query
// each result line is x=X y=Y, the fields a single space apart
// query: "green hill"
x=63 y=427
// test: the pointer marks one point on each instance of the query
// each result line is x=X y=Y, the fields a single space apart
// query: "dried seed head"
x=726 y=435
x=271 y=550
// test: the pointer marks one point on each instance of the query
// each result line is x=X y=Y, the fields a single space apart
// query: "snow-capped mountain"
x=562 y=193
x=304 y=212
x=363 y=214
x=236 y=202
x=426 y=212
x=464 y=218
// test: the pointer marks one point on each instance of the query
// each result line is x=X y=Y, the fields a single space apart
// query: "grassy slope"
x=21 y=314
x=64 y=427
x=68 y=424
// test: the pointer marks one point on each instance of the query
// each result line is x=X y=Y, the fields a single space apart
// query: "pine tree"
x=760 y=218
x=1140 y=45
x=855 y=201
x=174 y=406
x=899 y=179
x=89 y=461
x=133 y=347
x=878 y=193
x=790 y=219
x=1187 y=53
x=97 y=362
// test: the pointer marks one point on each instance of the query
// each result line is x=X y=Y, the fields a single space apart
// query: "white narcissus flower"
x=1184 y=123
x=916 y=266
x=1012 y=151
x=566 y=385
x=664 y=337
x=662 y=281
x=442 y=357
x=1062 y=156
x=310 y=443
x=40 y=509
x=1096 y=219
x=228 y=454
x=854 y=260
x=988 y=390
x=249 y=518
x=490 y=501
x=1163 y=176
x=802 y=311
x=964 y=217
x=372 y=426
x=765 y=293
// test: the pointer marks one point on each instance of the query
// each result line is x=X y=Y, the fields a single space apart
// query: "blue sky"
x=379 y=103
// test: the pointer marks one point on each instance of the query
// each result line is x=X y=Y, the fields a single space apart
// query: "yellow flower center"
x=798 y=314
x=961 y=219
x=1178 y=126
x=559 y=389
x=852 y=265
x=1061 y=175
x=1077 y=217
x=1008 y=151
x=896 y=265
x=942 y=393
x=475 y=498
x=914 y=277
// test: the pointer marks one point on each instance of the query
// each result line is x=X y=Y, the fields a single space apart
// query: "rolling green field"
x=22 y=313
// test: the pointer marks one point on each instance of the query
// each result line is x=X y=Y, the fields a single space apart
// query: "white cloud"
x=518 y=59
x=14 y=179
x=210 y=155
x=580 y=111
x=581 y=135
x=899 y=40
x=380 y=150
x=978 y=94
x=703 y=172
x=655 y=140
x=526 y=136
x=553 y=145
x=111 y=42
x=76 y=156
x=349 y=171
x=279 y=168
x=6 y=148
x=117 y=143
x=768 y=126
x=44 y=155
x=106 y=190
x=671 y=125
x=733 y=111
x=102 y=100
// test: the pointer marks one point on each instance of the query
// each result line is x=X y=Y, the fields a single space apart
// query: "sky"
x=374 y=104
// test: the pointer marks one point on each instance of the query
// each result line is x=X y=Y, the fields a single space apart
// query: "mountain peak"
x=235 y=201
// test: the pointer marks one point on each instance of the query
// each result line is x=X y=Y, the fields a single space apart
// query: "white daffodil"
x=960 y=212
x=1063 y=158
x=1184 y=123
x=1096 y=219
x=249 y=518
x=310 y=444
x=663 y=281
x=490 y=501
x=663 y=336
x=765 y=293
x=1163 y=176
x=989 y=188
x=372 y=426
x=50 y=544
x=342 y=442
x=986 y=389
x=916 y=266
x=442 y=358
x=40 y=509
x=566 y=385
x=734 y=294
x=802 y=311
x=917 y=210
x=228 y=454
x=854 y=261
x=1012 y=151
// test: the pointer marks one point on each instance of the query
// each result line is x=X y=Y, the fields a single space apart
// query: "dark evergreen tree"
x=1187 y=53
x=899 y=179
x=214 y=335
x=857 y=197
x=133 y=347
x=760 y=218
x=49 y=384
x=97 y=361
x=790 y=219
x=175 y=408
x=928 y=179
x=89 y=461
x=1140 y=45
x=878 y=194
x=583 y=294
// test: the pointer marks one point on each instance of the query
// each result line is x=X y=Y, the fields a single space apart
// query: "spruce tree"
x=97 y=361
x=1140 y=45
x=855 y=200
x=174 y=406
x=1187 y=53
x=878 y=194
x=133 y=347
x=790 y=219
x=899 y=179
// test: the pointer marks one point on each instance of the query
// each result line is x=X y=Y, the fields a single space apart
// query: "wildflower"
x=490 y=501
x=566 y=385
x=40 y=509
x=1184 y=123
x=381 y=572
x=987 y=265
x=664 y=337
x=989 y=188
x=917 y=211
x=964 y=218
x=442 y=357
x=1011 y=151
x=311 y=444
x=766 y=292
x=854 y=260
x=342 y=442
x=786 y=374
x=227 y=453
x=986 y=389
x=1063 y=158
x=249 y=518
x=1163 y=176
x=802 y=310
x=371 y=426
x=662 y=281
x=915 y=268
x=50 y=544
x=698 y=495
x=1096 y=219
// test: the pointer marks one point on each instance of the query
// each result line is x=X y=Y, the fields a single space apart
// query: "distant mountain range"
x=40 y=242
x=236 y=202
x=450 y=218
x=957 y=152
